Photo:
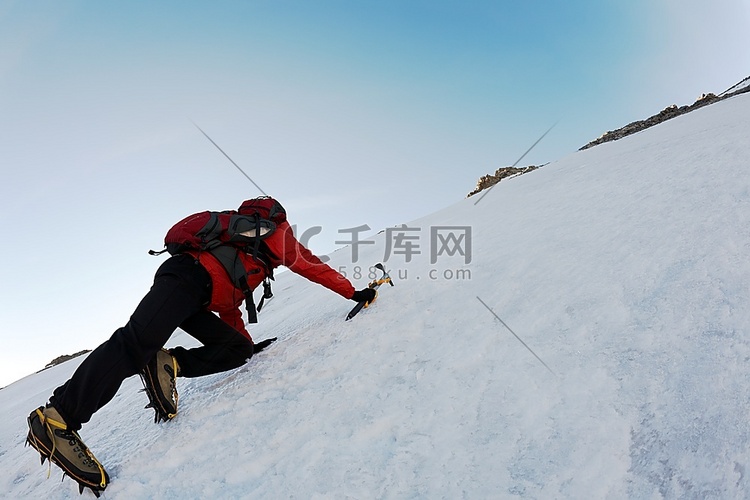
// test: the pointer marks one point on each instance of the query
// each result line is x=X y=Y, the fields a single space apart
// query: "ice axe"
x=375 y=284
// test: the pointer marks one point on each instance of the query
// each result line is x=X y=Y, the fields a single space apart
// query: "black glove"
x=262 y=345
x=365 y=295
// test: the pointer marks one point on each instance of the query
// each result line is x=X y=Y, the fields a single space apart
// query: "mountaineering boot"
x=50 y=436
x=159 y=382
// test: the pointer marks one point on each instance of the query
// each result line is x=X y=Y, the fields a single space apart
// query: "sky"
x=350 y=113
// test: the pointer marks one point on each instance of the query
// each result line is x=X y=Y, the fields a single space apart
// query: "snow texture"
x=624 y=268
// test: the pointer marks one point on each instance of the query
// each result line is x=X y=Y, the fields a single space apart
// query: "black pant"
x=178 y=298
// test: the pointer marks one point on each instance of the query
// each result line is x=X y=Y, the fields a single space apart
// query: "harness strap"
x=267 y=293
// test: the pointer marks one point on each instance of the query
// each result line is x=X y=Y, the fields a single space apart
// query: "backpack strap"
x=260 y=254
x=252 y=315
x=230 y=260
x=256 y=243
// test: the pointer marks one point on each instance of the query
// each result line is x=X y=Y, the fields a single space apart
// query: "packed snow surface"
x=621 y=270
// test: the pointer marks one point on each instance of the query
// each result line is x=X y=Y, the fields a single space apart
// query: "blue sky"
x=349 y=112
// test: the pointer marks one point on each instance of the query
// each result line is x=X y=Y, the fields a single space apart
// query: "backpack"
x=224 y=234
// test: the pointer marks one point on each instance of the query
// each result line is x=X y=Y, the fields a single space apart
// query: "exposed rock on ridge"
x=670 y=112
x=487 y=181
x=64 y=358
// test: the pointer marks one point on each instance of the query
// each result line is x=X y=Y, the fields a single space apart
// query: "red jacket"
x=285 y=250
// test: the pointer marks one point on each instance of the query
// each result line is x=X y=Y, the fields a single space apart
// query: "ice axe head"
x=386 y=276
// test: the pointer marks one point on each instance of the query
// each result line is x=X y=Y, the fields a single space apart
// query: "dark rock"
x=668 y=113
x=64 y=358
x=487 y=181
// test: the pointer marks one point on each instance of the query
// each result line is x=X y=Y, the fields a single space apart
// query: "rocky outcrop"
x=669 y=113
x=64 y=358
x=487 y=181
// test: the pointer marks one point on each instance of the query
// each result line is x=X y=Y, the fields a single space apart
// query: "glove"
x=365 y=295
x=262 y=345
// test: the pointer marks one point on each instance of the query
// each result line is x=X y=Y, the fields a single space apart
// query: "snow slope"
x=624 y=268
